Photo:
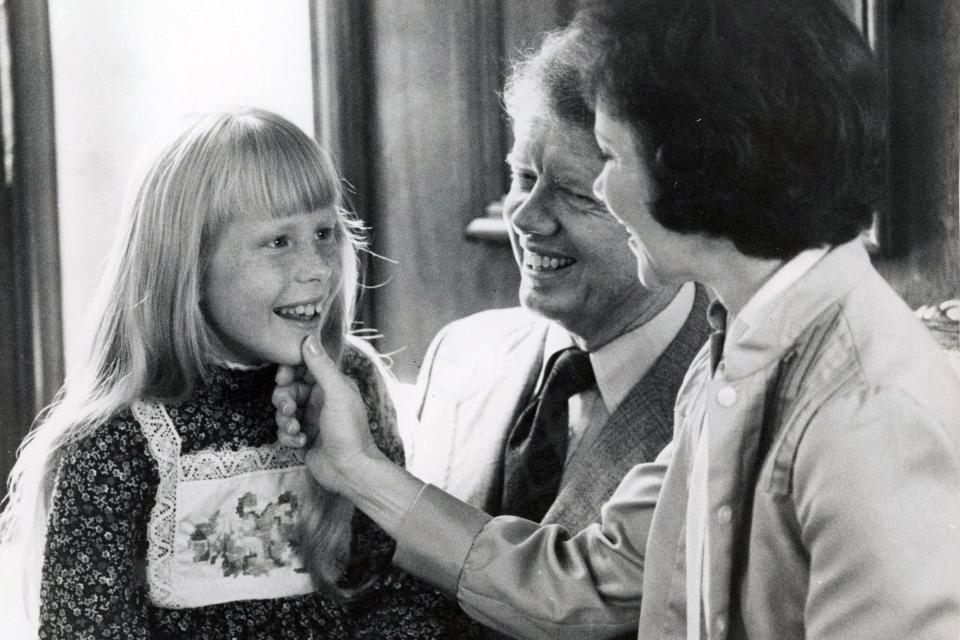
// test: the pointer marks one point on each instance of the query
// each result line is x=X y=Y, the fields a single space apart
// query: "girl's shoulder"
x=361 y=362
x=121 y=431
x=116 y=448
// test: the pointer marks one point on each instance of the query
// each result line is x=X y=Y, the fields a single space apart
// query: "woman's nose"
x=598 y=186
x=534 y=215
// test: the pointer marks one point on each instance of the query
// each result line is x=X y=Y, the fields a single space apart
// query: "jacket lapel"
x=636 y=432
x=483 y=420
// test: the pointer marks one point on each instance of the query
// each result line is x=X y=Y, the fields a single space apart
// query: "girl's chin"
x=292 y=359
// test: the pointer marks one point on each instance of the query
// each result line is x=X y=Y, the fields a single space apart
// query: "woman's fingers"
x=285 y=375
x=289 y=434
x=290 y=399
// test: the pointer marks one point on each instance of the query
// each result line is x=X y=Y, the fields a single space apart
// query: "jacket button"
x=724 y=514
x=720 y=624
x=727 y=396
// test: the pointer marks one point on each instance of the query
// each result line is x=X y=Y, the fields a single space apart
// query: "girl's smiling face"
x=269 y=283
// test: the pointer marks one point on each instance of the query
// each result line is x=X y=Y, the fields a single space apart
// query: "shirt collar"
x=790 y=313
x=621 y=363
x=752 y=314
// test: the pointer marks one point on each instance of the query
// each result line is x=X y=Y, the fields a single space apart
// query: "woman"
x=811 y=490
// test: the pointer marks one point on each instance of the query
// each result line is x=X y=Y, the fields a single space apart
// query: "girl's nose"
x=313 y=265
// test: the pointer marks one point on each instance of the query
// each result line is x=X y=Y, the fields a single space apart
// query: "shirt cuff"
x=435 y=537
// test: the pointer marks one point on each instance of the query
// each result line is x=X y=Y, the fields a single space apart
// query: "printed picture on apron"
x=253 y=538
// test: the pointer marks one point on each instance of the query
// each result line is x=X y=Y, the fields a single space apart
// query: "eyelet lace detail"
x=214 y=465
x=164 y=444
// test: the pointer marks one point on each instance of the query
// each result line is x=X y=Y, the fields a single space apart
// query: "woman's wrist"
x=381 y=489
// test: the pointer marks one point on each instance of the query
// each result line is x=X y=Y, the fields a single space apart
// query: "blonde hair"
x=148 y=337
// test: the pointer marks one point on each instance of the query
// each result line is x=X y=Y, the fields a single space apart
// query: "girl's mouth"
x=300 y=311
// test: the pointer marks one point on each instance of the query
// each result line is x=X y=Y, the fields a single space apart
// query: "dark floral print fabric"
x=93 y=582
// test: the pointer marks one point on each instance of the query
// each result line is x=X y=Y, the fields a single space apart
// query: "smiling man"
x=490 y=431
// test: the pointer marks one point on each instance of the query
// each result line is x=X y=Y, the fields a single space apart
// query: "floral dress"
x=124 y=559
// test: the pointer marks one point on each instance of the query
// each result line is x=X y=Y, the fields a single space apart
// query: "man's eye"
x=582 y=198
x=279 y=242
x=524 y=180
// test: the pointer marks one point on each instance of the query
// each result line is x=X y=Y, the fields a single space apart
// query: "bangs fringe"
x=263 y=174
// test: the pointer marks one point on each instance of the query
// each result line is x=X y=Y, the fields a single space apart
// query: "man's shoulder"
x=475 y=351
x=508 y=320
x=494 y=329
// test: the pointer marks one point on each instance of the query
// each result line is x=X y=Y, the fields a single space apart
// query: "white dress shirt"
x=618 y=366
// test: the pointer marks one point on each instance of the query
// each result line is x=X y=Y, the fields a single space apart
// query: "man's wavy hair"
x=546 y=83
x=762 y=119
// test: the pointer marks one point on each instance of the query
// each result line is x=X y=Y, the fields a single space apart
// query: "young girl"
x=154 y=486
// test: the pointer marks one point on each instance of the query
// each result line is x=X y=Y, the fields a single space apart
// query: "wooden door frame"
x=31 y=336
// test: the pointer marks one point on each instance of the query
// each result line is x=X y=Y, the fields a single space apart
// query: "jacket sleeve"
x=877 y=490
x=537 y=581
x=91 y=583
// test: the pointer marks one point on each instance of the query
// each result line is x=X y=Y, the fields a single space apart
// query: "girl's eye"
x=279 y=242
x=324 y=234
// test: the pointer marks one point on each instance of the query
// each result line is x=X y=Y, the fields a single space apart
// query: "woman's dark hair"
x=762 y=118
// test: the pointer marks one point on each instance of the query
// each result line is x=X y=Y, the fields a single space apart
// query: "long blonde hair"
x=147 y=335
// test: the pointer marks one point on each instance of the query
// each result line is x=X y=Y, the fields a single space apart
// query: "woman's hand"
x=327 y=414
x=289 y=399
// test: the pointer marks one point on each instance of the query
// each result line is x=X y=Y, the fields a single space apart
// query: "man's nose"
x=534 y=216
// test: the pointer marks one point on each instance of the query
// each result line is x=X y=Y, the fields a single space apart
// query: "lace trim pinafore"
x=225 y=525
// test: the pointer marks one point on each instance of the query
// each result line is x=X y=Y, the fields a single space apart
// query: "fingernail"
x=312 y=345
x=287 y=409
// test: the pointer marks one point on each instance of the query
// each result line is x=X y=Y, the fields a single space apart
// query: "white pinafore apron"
x=225 y=523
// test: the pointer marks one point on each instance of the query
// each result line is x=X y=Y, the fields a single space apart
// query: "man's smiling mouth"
x=540 y=262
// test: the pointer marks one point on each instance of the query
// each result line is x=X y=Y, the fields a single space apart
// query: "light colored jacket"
x=481 y=372
x=833 y=504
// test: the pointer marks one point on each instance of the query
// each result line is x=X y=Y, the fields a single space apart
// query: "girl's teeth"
x=301 y=311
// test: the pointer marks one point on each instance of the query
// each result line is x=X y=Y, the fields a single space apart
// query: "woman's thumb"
x=317 y=361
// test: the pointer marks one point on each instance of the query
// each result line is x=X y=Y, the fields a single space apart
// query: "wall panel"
x=924 y=260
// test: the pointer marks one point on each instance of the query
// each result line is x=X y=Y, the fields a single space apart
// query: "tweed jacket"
x=478 y=376
x=833 y=506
